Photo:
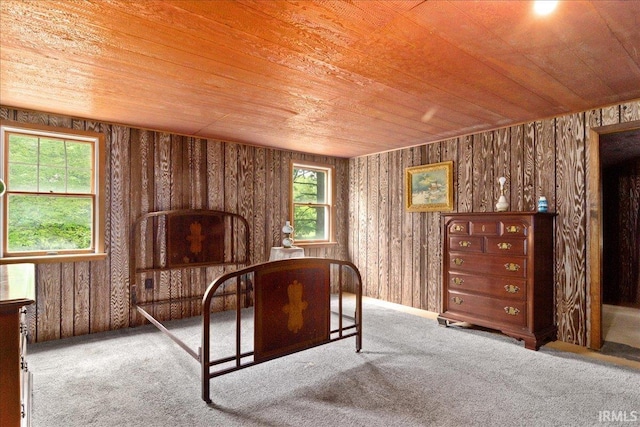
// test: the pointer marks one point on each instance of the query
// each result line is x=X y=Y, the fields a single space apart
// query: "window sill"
x=42 y=259
x=314 y=244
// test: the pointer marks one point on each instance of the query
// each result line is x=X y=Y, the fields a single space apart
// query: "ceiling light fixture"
x=544 y=7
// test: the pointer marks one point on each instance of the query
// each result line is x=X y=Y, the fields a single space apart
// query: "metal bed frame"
x=291 y=298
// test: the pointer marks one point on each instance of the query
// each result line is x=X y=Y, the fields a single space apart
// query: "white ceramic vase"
x=502 y=205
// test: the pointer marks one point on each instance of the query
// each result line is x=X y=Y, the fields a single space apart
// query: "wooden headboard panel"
x=187 y=238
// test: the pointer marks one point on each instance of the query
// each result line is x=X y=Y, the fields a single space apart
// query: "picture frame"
x=429 y=188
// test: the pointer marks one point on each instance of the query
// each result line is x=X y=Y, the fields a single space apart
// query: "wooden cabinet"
x=17 y=291
x=498 y=273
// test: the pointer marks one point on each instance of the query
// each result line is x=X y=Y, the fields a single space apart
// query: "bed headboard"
x=187 y=238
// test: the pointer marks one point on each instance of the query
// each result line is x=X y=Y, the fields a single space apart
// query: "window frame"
x=99 y=196
x=331 y=190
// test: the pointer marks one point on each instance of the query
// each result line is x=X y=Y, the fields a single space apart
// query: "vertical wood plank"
x=571 y=229
x=449 y=152
x=59 y=121
x=215 y=189
x=231 y=182
x=215 y=174
x=285 y=176
x=630 y=112
x=81 y=298
x=246 y=179
x=48 y=302
x=483 y=174
x=100 y=288
x=396 y=208
x=141 y=191
x=465 y=191
x=545 y=161
x=194 y=168
x=371 y=266
x=362 y=220
x=416 y=279
x=517 y=168
x=502 y=164
x=354 y=197
x=261 y=243
x=610 y=115
x=274 y=175
x=119 y=212
x=528 y=188
x=162 y=178
x=179 y=199
x=341 y=209
x=7 y=113
x=431 y=245
x=383 y=228
x=66 y=300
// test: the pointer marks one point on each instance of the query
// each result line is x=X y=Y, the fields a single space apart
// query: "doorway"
x=614 y=237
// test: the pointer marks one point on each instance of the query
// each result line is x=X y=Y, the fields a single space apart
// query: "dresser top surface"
x=489 y=214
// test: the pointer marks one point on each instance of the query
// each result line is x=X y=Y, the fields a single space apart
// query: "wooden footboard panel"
x=299 y=304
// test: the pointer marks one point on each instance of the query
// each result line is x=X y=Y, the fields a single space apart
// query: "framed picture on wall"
x=429 y=188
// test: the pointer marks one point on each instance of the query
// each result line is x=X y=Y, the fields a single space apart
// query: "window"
x=54 y=202
x=312 y=203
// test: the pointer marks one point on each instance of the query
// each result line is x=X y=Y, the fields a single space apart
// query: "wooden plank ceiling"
x=327 y=77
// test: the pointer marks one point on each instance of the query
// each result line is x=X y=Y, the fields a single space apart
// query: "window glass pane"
x=23 y=149
x=48 y=223
x=310 y=222
x=309 y=186
x=79 y=181
x=22 y=177
x=52 y=152
x=52 y=179
x=79 y=155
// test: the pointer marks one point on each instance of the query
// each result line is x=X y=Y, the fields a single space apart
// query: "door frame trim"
x=594 y=223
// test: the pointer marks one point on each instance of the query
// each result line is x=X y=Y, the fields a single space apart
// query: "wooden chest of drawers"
x=498 y=273
x=17 y=290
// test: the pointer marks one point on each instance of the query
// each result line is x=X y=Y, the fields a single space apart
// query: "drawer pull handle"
x=457 y=300
x=465 y=243
x=513 y=229
x=512 y=311
x=512 y=289
x=504 y=246
x=511 y=266
x=458 y=261
x=458 y=228
x=458 y=281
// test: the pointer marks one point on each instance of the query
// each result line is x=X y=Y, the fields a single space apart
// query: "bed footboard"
x=299 y=304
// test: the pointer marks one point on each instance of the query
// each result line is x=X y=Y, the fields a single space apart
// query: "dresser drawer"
x=459 y=227
x=499 y=287
x=466 y=244
x=507 y=312
x=514 y=228
x=484 y=228
x=503 y=245
x=508 y=266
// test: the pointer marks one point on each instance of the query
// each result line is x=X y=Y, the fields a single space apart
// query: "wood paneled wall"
x=399 y=253
x=149 y=171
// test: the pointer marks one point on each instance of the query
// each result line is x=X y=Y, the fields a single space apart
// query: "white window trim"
x=99 y=177
x=331 y=190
